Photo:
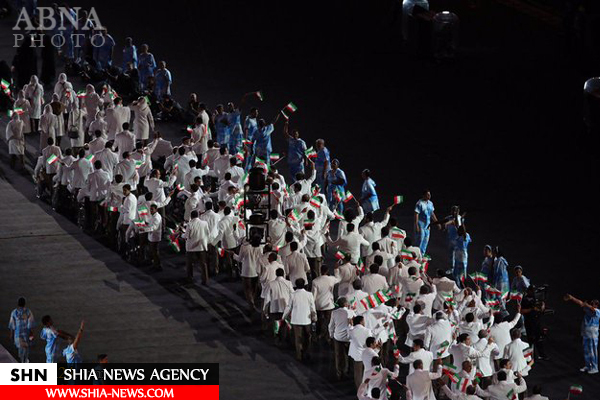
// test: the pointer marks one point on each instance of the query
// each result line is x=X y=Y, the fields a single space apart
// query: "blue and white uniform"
x=322 y=159
x=130 y=56
x=500 y=271
x=461 y=257
x=368 y=193
x=222 y=127
x=262 y=142
x=71 y=355
x=589 y=332
x=146 y=67
x=296 y=149
x=236 y=134
x=424 y=208
x=51 y=338
x=333 y=176
x=163 y=83
x=21 y=322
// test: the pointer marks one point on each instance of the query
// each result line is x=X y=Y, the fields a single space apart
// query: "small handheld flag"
x=310 y=152
x=398 y=199
x=340 y=255
x=290 y=108
x=576 y=389
x=348 y=196
x=52 y=159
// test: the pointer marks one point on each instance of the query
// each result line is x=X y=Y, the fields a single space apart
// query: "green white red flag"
x=576 y=389
x=290 y=108
x=340 y=254
x=52 y=159
x=348 y=196
x=398 y=199
x=310 y=152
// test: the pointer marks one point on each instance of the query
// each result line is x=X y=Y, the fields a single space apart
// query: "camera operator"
x=533 y=309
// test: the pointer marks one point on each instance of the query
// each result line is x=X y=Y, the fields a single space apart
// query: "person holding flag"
x=589 y=332
x=262 y=139
x=368 y=195
x=335 y=182
x=296 y=149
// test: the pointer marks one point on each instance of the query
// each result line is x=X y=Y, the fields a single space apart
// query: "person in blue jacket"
x=368 y=195
x=296 y=148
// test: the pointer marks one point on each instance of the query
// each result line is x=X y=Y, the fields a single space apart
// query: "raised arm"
x=78 y=336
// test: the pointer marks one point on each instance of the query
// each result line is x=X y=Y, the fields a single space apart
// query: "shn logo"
x=28 y=375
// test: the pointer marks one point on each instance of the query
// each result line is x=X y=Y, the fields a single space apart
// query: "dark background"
x=499 y=130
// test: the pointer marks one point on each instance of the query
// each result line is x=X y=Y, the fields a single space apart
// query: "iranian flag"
x=407 y=255
x=310 y=152
x=338 y=194
x=337 y=215
x=442 y=348
x=372 y=301
x=138 y=164
x=239 y=202
x=247 y=142
x=576 y=389
x=275 y=157
x=52 y=159
x=449 y=368
x=453 y=377
x=511 y=395
x=221 y=252
x=179 y=186
x=492 y=291
x=315 y=202
x=478 y=276
x=259 y=94
x=294 y=215
x=81 y=94
x=398 y=199
x=348 y=196
x=340 y=255
x=388 y=391
x=143 y=210
x=398 y=233
x=139 y=223
x=17 y=110
x=113 y=209
x=360 y=265
x=240 y=155
x=516 y=295
x=528 y=352
x=174 y=244
x=290 y=108
x=462 y=385
x=396 y=352
x=89 y=157
x=5 y=85
x=190 y=129
x=381 y=297
x=409 y=297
